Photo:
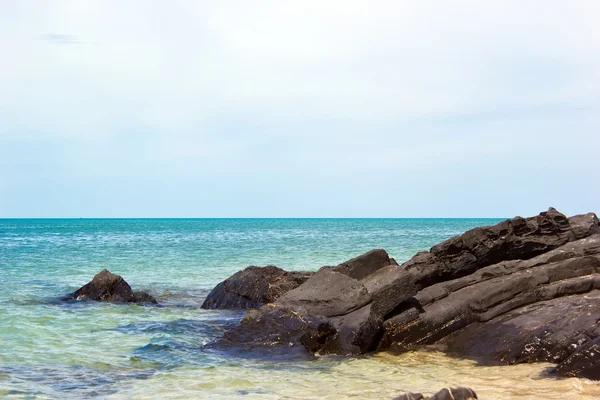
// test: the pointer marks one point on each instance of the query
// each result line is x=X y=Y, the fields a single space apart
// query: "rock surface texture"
x=524 y=290
x=460 y=393
x=109 y=287
x=253 y=287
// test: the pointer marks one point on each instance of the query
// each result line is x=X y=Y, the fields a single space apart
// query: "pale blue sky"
x=298 y=108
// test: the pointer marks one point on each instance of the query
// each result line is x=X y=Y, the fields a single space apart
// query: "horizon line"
x=224 y=218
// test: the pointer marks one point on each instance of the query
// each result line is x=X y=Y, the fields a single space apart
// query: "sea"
x=51 y=349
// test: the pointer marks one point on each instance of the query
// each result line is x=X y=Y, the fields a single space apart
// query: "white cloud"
x=167 y=62
x=187 y=86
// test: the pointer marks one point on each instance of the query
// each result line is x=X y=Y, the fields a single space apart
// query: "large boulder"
x=106 y=286
x=273 y=326
x=328 y=293
x=389 y=286
x=253 y=287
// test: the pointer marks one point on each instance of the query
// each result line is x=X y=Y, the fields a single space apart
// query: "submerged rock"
x=460 y=393
x=253 y=287
x=496 y=293
x=410 y=396
x=283 y=327
x=109 y=287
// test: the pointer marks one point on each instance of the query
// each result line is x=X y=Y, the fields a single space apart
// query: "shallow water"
x=51 y=349
x=382 y=376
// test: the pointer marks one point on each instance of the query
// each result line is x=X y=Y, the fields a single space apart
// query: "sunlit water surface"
x=51 y=349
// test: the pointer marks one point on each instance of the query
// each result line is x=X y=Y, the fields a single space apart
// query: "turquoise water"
x=50 y=349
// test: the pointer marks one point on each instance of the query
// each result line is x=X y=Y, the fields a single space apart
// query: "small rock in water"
x=460 y=393
x=107 y=286
x=410 y=396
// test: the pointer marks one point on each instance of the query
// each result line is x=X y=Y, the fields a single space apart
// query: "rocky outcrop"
x=584 y=362
x=109 y=287
x=562 y=330
x=492 y=291
x=460 y=393
x=514 y=239
x=333 y=311
x=495 y=293
x=366 y=264
x=253 y=287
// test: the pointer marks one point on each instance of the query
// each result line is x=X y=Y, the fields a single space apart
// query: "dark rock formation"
x=282 y=328
x=492 y=291
x=332 y=312
x=110 y=287
x=253 y=287
x=497 y=293
x=515 y=239
x=552 y=331
x=460 y=393
x=410 y=396
x=584 y=362
x=364 y=265
x=327 y=293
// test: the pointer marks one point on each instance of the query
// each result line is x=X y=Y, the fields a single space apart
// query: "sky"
x=299 y=108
